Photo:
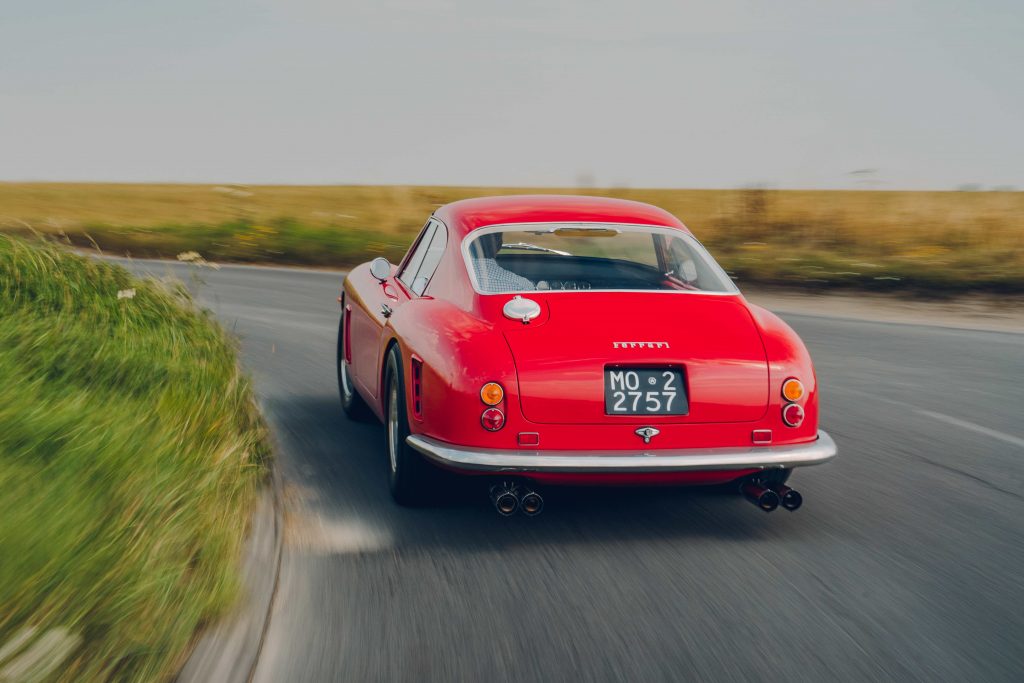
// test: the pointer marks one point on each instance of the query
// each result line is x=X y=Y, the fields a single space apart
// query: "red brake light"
x=492 y=419
x=793 y=414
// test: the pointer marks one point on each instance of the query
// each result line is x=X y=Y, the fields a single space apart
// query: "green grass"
x=922 y=242
x=131 y=451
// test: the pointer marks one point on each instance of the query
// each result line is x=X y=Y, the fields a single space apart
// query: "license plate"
x=644 y=391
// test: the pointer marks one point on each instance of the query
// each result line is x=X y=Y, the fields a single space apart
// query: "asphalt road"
x=905 y=563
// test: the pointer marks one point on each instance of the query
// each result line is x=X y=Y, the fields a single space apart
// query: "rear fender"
x=459 y=354
x=787 y=357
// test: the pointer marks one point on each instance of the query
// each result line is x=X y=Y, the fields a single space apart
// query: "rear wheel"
x=351 y=402
x=409 y=476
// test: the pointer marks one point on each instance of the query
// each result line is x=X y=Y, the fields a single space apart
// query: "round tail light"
x=792 y=414
x=792 y=389
x=492 y=393
x=492 y=419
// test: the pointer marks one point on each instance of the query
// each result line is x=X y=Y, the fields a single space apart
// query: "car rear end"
x=644 y=369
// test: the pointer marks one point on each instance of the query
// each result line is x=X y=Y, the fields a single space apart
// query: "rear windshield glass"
x=591 y=257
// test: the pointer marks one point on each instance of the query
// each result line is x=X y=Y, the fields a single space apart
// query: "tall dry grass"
x=926 y=241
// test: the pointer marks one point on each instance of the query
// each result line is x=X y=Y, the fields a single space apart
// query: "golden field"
x=920 y=241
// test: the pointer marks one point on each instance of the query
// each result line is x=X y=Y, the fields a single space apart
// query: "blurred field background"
x=921 y=242
x=131 y=451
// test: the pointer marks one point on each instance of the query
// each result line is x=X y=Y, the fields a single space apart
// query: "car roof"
x=467 y=215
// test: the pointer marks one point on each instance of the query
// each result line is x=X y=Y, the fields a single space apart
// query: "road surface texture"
x=905 y=563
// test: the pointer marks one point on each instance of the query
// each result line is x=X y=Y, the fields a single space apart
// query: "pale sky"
x=724 y=93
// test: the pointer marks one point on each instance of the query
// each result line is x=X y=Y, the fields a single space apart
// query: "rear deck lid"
x=561 y=358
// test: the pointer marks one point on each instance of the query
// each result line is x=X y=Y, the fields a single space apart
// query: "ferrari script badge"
x=647 y=433
x=640 y=345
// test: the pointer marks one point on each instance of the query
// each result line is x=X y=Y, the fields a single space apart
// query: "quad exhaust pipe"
x=532 y=503
x=769 y=498
x=791 y=498
x=761 y=496
x=507 y=498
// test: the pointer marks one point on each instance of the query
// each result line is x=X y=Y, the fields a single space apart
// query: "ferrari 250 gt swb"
x=541 y=340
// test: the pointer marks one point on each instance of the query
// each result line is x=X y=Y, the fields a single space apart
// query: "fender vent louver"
x=417 y=388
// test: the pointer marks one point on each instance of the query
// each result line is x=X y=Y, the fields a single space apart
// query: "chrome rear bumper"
x=679 y=460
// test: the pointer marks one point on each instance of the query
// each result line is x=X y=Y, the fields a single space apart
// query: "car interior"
x=553 y=272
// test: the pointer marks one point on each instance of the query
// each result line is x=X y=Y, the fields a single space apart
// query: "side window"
x=408 y=273
x=430 y=260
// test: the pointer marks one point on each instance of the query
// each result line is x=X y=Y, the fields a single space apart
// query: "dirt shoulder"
x=969 y=312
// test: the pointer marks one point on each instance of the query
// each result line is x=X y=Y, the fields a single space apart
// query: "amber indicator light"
x=492 y=393
x=792 y=389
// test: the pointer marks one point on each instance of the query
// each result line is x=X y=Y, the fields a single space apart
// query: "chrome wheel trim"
x=346 y=388
x=393 y=425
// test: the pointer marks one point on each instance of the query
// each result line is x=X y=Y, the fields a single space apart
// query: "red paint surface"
x=560 y=361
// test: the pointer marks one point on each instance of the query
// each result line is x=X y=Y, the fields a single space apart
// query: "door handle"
x=386 y=310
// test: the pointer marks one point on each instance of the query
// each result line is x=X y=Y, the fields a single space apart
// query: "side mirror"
x=380 y=268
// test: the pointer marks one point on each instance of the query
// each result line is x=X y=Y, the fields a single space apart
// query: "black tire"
x=351 y=402
x=410 y=478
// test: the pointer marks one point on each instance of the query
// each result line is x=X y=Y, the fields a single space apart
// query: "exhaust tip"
x=791 y=498
x=762 y=497
x=506 y=504
x=768 y=501
x=505 y=500
x=532 y=504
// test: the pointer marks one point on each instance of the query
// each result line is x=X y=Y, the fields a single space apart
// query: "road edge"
x=229 y=650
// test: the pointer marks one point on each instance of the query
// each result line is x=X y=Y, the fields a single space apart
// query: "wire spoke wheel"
x=393 y=435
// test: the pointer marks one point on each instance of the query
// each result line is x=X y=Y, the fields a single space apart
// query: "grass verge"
x=923 y=242
x=130 y=453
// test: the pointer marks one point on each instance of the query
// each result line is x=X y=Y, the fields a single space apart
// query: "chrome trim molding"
x=814 y=452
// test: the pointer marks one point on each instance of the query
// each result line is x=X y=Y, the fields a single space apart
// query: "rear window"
x=590 y=256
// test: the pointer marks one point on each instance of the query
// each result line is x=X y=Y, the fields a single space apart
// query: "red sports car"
x=573 y=340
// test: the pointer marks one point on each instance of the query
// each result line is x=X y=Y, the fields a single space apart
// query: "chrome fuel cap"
x=518 y=308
